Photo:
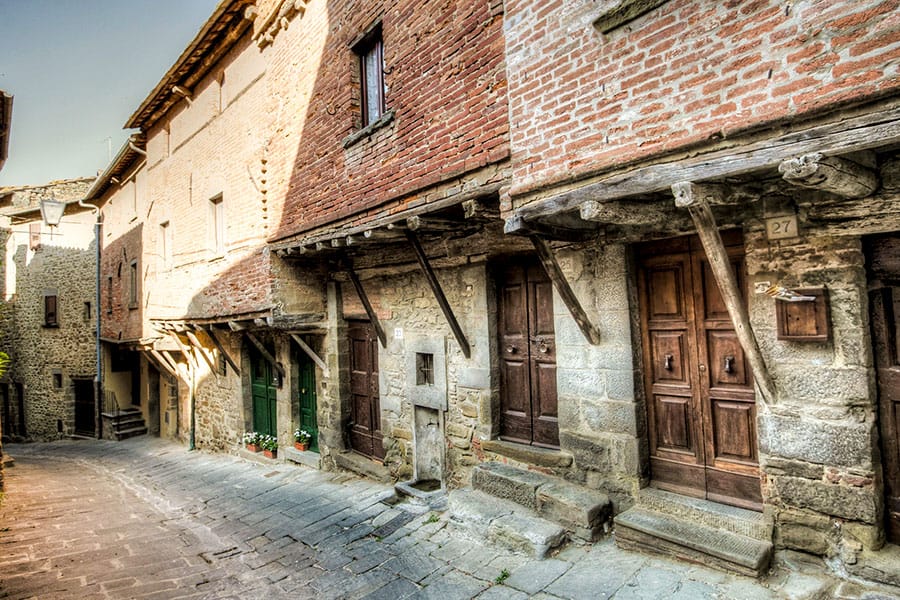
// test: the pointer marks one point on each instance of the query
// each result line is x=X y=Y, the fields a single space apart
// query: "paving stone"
x=396 y=589
x=502 y=592
x=412 y=565
x=535 y=575
x=452 y=586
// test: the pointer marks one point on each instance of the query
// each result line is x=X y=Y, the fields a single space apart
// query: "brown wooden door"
x=365 y=412
x=527 y=355
x=701 y=404
x=884 y=285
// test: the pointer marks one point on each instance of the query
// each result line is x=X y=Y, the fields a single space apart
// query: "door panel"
x=365 y=411
x=884 y=283
x=527 y=339
x=85 y=408
x=702 y=413
x=306 y=399
x=262 y=388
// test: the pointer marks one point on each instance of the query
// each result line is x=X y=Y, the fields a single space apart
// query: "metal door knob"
x=543 y=348
x=511 y=349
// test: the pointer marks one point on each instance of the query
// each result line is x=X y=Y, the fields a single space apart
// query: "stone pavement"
x=145 y=518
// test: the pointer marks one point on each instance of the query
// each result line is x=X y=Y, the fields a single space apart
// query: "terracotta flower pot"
x=270 y=453
x=253 y=448
x=301 y=446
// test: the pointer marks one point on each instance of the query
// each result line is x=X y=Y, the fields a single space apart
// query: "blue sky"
x=77 y=70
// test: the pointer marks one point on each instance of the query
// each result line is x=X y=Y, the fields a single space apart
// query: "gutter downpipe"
x=98 y=378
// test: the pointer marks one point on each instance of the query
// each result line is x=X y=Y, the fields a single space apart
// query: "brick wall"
x=686 y=72
x=446 y=83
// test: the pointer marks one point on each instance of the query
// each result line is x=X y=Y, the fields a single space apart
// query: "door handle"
x=667 y=364
x=543 y=348
x=511 y=349
x=729 y=364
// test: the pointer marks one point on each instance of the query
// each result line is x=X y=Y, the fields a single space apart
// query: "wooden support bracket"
x=623 y=212
x=265 y=354
x=218 y=344
x=182 y=376
x=830 y=174
x=545 y=253
x=184 y=348
x=311 y=353
x=364 y=298
x=439 y=294
x=696 y=198
x=206 y=354
x=160 y=360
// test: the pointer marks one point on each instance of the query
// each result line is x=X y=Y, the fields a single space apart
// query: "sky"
x=77 y=70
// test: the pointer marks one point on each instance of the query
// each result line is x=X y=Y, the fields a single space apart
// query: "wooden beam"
x=695 y=198
x=265 y=353
x=236 y=326
x=623 y=212
x=364 y=298
x=838 y=176
x=218 y=344
x=184 y=348
x=210 y=360
x=863 y=132
x=544 y=252
x=517 y=225
x=476 y=209
x=161 y=361
x=182 y=376
x=311 y=353
x=439 y=295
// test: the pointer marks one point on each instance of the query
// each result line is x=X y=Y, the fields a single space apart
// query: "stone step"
x=583 y=512
x=122 y=434
x=506 y=523
x=648 y=530
x=744 y=522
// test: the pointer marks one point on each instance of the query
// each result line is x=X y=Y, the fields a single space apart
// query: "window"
x=371 y=76
x=34 y=236
x=165 y=244
x=133 y=284
x=217 y=224
x=50 y=311
x=109 y=295
x=87 y=311
x=424 y=368
x=57 y=379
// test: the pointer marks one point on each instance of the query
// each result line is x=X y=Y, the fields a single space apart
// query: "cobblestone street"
x=146 y=518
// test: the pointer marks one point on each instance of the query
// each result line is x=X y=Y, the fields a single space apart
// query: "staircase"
x=528 y=512
x=726 y=537
x=124 y=423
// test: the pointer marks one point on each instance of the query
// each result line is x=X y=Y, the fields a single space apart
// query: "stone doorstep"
x=503 y=523
x=881 y=565
x=585 y=513
x=361 y=465
x=744 y=522
x=642 y=529
x=308 y=458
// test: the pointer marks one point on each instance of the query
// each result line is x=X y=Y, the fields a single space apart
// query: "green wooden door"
x=262 y=387
x=306 y=396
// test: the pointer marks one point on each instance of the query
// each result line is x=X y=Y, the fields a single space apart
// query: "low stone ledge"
x=308 y=458
x=363 y=466
x=541 y=457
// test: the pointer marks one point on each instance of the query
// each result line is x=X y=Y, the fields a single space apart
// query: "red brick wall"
x=124 y=322
x=445 y=80
x=691 y=70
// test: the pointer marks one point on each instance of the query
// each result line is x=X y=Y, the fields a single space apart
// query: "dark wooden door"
x=153 y=400
x=85 y=411
x=365 y=411
x=701 y=404
x=884 y=285
x=263 y=391
x=306 y=398
x=528 y=401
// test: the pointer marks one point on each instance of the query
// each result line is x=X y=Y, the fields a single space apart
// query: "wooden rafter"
x=161 y=362
x=545 y=253
x=364 y=298
x=311 y=353
x=203 y=351
x=695 y=197
x=221 y=348
x=265 y=354
x=439 y=294
x=831 y=174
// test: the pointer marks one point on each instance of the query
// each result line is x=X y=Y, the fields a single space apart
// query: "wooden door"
x=365 y=411
x=85 y=408
x=528 y=401
x=153 y=400
x=884 y=286
x=700 y=400
x=306 y=399
x=263 y=392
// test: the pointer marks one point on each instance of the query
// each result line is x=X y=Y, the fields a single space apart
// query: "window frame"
x=217 y=224
x=371 y=44
x=51 y=317
x=133 y=283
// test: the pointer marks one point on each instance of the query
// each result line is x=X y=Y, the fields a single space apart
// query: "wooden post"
x=311 y=353
x=379 y=330
x=565 y=290
x=221 y=348
x=838 y=176
x=439 y=294
x=696 y=198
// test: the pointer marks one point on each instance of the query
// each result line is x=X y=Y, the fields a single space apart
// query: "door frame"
x=306 y=368
x=256 y=359
x=375 y=433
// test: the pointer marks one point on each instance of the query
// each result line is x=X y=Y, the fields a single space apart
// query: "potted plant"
x=301 y=440
x=269 y=445
x=252 y=441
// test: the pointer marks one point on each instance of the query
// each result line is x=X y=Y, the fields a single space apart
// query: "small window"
x=109 y=295
x=50 y=311
x=165 y=245
x=222 y=365
x=424 y=368
x=371 y=76
x=87 y=311
x=34 y=236
x=133 y=284
x=217 y=224
x=57 y=380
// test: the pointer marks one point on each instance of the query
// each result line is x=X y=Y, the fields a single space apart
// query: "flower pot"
x=270 y=453
x=253 y=448
x=301 y=446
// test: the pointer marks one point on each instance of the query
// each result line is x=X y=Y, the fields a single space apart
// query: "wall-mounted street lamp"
x=52 y=212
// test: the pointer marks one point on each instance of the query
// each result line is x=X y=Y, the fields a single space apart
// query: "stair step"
x=583 y=512
x=642 y=529
x=720 y=516
x=122 y=434
x=507 y=524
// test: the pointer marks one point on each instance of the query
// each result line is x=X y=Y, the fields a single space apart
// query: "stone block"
x=580 y=510
x=529 y=535
x=827 y=385
x=841 y=501
x=612 y=417
x=816 y=441
x=508 y=482
x=473 y=378
x=870 y=536
x=802 y=537
x=468 y=409
x=620 y=384
x=774 y=465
